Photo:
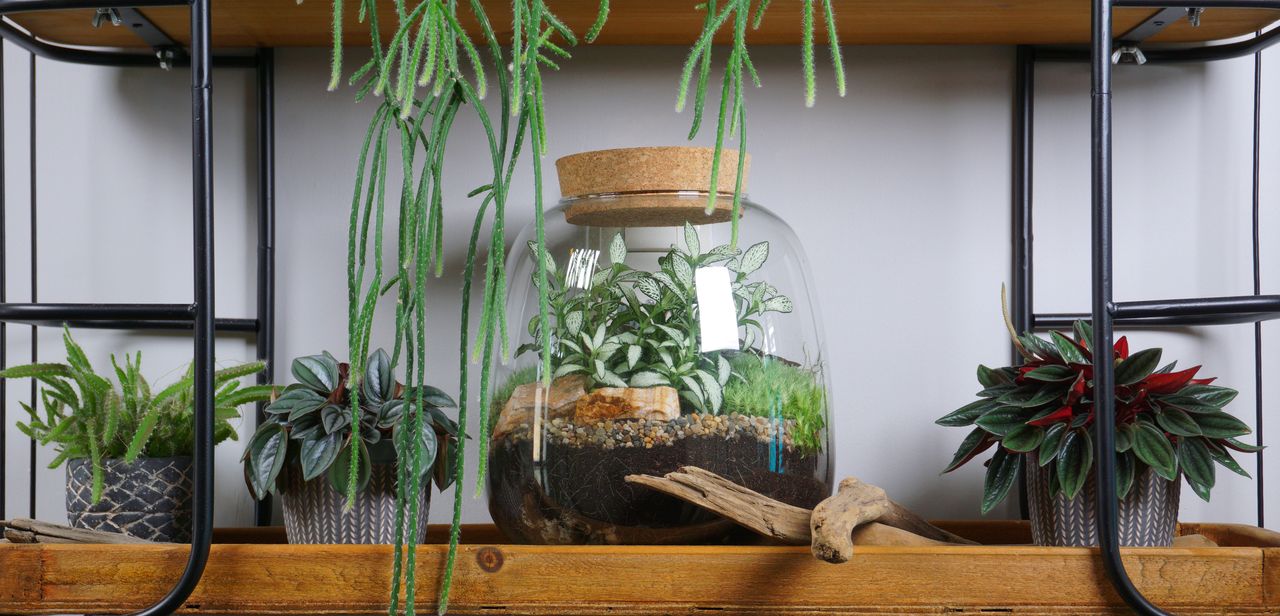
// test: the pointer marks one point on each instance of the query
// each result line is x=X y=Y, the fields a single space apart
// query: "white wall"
x=900 y=191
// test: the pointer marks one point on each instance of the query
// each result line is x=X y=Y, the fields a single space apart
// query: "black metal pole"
x=35 y=340
x=1021 y=301
x=1104 y=371
x=202 y=224
x=266 y=241
x=1257 y=279
x=4 y=333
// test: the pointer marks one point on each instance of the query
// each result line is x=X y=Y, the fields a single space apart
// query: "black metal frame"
x=1105 y=313
x=197 y=316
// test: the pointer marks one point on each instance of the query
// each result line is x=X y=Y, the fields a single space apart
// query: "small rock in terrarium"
x=670 y=345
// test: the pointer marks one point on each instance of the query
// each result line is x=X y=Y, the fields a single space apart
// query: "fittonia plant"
x=430 y=70
x=632 y=328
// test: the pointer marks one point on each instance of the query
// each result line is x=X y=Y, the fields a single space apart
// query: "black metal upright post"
x=4 y=328
x=266 y=241
x=34 y=240
x=1104 y=371
x=1257 y=281
x=1020 y=281
x=202 y=304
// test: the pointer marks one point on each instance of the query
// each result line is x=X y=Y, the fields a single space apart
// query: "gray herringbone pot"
x=314 y=512
x=149 y=498
x=1148 y=514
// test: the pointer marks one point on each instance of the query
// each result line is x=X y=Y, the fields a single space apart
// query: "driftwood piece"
x=755 y=511
x=1193 y=541
x=770 y=518
x=857 y=503
x=25 y=530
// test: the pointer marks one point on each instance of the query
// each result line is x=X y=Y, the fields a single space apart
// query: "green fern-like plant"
x=86 y=416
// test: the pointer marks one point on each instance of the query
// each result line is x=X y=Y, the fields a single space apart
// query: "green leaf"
x=1223 y=457
x=36 y=370
x=1026 y=397
x=1138 y=366
x=379 y=382
x=1196 y=462
x=1075 y=462
x=780 y=303
x=1023 y=438
x=991 y=378
x=1002 y=473
x=1002 y=420
x=683 y=271
x=691 y=244
x=316 y=455
x=648 y=379
x=1039 y=347
x=753 y=258
x=1176 y=421
x=1052 y=373
x=973 y=444
x=649 y=287
x=617 y=249
x=340 y=469
x=1242 y=446
x=1126 y=466
x=1051 y=446
x=1068 y=349
x=1084 y=333
x=1211 y=395
x=1124 y=437
x=1221 y=425
x=334 y=418
x=1153 y=449
x=266 y=456
x=1188 y=404
x=967 y=414
x=319 y=372
x=1200 y=489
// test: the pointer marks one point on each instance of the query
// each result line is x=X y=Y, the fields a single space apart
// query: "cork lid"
x=652 y=169
x=646 y=187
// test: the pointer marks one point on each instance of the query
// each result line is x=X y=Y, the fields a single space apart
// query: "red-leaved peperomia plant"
x=1042 y=411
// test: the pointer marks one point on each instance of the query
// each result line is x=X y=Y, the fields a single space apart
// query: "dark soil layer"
x=579 y=495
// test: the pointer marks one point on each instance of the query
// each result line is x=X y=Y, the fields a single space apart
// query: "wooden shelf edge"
x=541 y=580
x=285 y=23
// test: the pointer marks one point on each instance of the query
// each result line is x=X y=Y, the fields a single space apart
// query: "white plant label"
x=717 y=314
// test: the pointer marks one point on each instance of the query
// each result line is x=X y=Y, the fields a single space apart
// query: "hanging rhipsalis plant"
x=1042 y=413
x=733 y=109
x=429 y=70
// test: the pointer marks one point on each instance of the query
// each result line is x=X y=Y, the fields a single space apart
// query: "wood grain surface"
x=537 y=580
x=286 y=23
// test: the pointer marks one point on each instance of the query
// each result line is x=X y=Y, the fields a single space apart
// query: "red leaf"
x=1077 y=390
x=1171 y=382
x=1204 y=381
x=1122 y=347
x=1061 y=414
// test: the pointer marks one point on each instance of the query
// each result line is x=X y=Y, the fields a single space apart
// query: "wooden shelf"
x=285 y=23
x=260 y=577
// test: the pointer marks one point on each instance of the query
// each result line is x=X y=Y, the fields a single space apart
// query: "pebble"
x=622 y=433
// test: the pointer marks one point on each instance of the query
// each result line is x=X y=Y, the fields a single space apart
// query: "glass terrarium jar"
x=670 y=347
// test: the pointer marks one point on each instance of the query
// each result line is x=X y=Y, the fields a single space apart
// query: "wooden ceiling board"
x=284 y=23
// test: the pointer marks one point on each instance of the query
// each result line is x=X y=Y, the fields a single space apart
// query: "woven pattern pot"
x=1148 y=514
x=149 y=499
x=315 y=513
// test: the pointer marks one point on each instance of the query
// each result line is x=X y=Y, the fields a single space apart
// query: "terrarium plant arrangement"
x=127 y=448
x=423 y=70
x=1170 y=425
x=303 y=451
x=638 y=388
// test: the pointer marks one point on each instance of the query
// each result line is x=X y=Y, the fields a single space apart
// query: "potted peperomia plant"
x=1039 y=415
x=128 y=450
x=303 y=450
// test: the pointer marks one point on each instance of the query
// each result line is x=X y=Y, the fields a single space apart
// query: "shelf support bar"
x=202 y=224
x=1104 y=371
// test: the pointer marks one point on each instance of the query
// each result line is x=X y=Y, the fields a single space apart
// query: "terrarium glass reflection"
x=670 y=347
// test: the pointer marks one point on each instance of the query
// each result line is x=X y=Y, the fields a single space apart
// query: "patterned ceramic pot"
x=1148 y=514
x=149 y=499
x=315 y=513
